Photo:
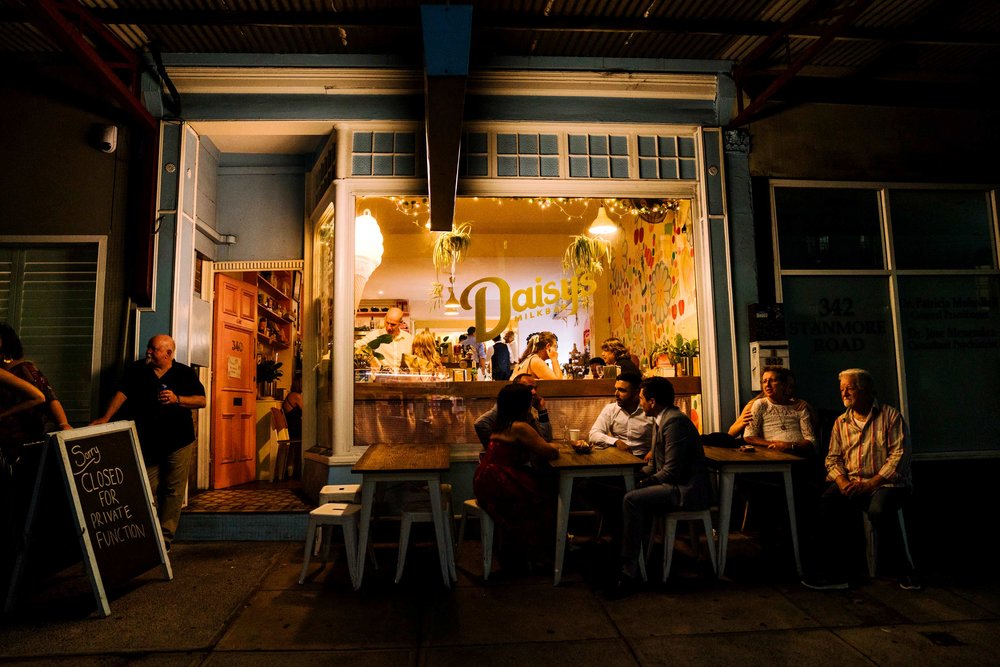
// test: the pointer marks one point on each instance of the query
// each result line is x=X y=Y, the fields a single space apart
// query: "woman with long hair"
x=613 y=351
x=513 y=482
x=540 y=349
x=425 y=357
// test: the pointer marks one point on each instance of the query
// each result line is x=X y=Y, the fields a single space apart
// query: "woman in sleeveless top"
x=542 y=347
x=514 y=483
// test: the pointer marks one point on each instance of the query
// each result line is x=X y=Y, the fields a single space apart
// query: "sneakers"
x=824 y=584
x=911 y=582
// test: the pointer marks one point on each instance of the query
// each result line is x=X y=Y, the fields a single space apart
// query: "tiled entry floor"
x=252 y=497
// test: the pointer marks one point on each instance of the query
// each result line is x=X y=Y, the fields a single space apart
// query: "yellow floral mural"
x=653 y=291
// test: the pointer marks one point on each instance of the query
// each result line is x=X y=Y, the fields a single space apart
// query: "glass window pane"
x=647 y=169
x=647 y=146
x=520 y=287
x=936 y=229
x=527 y=143
x=550 y=167
x=951 y=329
x=548 y=144
x=598 y=144
x=579 y=167
x=828 y=228
x=599 y=167
x=667 y=146
x=383 y=142
x=838 y=322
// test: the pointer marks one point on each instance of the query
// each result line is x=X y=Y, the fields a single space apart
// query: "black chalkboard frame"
x=68 y=449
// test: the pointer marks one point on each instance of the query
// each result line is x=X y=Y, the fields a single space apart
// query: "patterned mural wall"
x=653 y=293
x=652 y=285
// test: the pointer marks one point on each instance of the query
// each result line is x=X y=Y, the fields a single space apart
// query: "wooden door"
x=234 y=383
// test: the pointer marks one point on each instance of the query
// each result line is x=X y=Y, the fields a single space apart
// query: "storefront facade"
x=531 y=141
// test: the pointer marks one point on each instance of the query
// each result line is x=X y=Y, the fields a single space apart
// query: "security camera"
x=109 y=139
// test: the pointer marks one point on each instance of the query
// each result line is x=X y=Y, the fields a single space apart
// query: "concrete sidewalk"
x=240 y=603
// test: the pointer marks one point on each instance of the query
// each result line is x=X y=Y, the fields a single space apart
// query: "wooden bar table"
x=406 y=463
x=730 y=462
x=609 y=462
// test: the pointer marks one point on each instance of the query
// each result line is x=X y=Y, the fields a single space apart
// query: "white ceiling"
x=265 y=137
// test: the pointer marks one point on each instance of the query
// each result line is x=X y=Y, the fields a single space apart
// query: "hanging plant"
x=450 y=248
x=586 y=254
x=448 y=251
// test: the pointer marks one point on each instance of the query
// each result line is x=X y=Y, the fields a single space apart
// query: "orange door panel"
x=234 y=396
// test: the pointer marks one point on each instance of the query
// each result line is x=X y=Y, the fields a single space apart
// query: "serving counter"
x=404 y=411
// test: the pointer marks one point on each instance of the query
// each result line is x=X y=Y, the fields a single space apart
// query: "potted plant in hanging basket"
x=448 y=251
x=586 y=254
x=268 y=372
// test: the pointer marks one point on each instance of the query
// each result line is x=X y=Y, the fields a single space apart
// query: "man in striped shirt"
x=868 y=467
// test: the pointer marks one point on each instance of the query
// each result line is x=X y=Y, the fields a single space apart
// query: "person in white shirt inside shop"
x=402 y=340
x=623 y=424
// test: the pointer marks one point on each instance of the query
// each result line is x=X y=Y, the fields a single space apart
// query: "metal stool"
x=871 y=538
x=340 y=493
x=486 y=527
x=344 y=515
x=420 y=512
x=670 y=520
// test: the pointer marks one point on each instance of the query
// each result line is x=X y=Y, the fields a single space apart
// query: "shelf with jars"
x=277 y=309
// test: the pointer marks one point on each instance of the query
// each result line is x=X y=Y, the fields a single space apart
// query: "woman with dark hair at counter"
x=541 y=349
x=514 y=484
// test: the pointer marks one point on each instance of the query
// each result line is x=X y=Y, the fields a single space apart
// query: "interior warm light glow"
x=368 y=249
x=451 y=306
x=602 y=224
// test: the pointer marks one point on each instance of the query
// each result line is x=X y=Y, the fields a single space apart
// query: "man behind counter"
x=402 y=341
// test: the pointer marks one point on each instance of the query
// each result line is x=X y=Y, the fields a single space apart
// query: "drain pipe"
x=219 y=239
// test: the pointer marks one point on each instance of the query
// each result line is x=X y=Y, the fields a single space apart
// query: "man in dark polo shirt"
x=159 y=393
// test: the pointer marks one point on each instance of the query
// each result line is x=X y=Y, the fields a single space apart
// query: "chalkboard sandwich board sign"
x=112 y=506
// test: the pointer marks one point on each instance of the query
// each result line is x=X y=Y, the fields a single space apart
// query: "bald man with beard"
x=159 y=393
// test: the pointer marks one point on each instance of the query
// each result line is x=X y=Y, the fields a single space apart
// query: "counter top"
x=683 y=386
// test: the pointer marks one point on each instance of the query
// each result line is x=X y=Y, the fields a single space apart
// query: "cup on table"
x=574 y=434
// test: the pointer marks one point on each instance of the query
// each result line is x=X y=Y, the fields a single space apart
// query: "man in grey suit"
x=677 y=479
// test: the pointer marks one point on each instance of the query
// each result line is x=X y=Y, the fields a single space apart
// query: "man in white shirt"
x=402 y=341
x=624 y=424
